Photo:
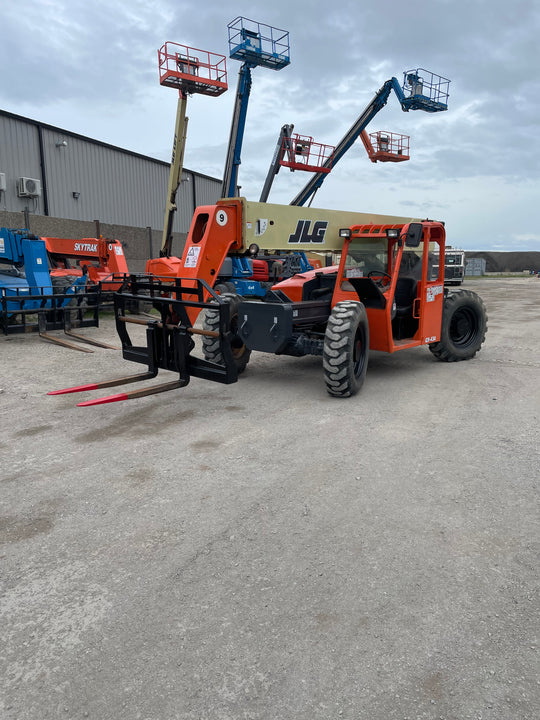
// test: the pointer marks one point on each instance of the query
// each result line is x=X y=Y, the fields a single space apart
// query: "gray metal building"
x=55 y=173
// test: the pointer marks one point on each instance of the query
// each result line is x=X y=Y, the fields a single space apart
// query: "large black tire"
x=60 y=285
x=346 y=349
x=211 y=345
x=225 y=287
x=463 y=327
x=138 y=307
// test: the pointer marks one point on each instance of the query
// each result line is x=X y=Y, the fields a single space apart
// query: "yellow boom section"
x=289 y=227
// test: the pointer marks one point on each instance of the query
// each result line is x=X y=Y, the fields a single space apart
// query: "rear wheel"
x=463 y=327
x=62 y=283
x=346 y=349
x=225 y=287
x=212 y=345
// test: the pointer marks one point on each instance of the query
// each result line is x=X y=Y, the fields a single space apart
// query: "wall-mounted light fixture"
x=76 y=194
x=61 y=144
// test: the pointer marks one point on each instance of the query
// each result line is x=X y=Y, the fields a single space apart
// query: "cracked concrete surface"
x=262 y=550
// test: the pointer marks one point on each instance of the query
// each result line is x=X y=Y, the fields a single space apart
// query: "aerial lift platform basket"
x=301 y=152
x=383 y=146
x=424 y=90
x=258 y=44
x=191 y=70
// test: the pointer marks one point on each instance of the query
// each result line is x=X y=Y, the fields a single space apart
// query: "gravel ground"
x=262 y=551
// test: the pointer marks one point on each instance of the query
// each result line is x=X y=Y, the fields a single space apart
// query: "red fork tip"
x=104 y=400
x=78 y=388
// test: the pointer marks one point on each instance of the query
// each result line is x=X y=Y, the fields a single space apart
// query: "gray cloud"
x=92 y=68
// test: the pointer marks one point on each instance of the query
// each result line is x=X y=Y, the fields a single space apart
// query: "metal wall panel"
x=113 y=186
x=87 y=180
x=207 y=190
x=19 y=157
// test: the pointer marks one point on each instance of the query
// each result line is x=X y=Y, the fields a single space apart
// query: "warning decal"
x=192 y=257
x=433 y=291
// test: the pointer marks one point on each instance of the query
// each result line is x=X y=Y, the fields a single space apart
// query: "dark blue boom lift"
x=426 y=91
x=255 y=44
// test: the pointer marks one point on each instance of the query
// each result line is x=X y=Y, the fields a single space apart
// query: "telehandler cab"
x=381 y=296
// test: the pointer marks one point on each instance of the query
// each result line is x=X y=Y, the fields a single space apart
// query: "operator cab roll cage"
x=406 y=270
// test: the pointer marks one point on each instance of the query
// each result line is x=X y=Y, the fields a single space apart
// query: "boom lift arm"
x=175 y=174
x=377 y=103
x=236 y=138
x=284 y=135
x=188 y=70
x=429 y=94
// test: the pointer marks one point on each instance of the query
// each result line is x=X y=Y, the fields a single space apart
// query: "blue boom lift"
x=256 y=45
x=421 y=90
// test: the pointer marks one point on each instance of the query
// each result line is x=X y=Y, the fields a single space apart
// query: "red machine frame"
x=101 y=259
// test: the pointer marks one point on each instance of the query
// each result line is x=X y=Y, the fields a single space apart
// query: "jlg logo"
x=303 y=235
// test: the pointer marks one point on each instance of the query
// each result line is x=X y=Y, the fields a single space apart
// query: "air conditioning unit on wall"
x=28 y=187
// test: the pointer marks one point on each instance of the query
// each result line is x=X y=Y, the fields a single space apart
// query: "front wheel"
x=212 y=345
x=346 y=349
x=463 y=327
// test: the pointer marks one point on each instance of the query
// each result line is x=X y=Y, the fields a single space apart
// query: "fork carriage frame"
x=169 y=338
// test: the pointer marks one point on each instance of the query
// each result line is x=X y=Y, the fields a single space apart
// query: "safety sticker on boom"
x=261 y=227
x=192 y=257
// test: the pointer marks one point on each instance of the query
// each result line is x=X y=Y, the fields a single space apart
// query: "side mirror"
x=414 y=235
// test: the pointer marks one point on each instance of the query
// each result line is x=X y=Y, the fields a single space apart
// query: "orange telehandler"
x=381 y=296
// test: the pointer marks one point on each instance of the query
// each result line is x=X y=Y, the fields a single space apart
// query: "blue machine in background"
x=25 y=273
x=256 y=45
x=421 y=90
x=24 y=270
x=238 y=272
x=27 y=289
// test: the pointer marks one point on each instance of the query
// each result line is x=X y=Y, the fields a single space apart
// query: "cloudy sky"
x=91 y=67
